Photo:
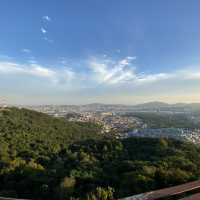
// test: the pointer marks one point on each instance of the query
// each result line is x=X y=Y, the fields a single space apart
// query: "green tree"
x=101 y=194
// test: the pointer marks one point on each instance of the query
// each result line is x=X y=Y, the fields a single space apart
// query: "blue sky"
x=108 y=51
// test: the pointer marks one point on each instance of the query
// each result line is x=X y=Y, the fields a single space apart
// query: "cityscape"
x=113 y=119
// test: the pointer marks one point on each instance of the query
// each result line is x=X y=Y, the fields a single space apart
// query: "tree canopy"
x=42 y=157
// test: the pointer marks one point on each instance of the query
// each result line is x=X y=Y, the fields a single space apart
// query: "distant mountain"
x=160 y=106
x=155 y=106
x=195 y=105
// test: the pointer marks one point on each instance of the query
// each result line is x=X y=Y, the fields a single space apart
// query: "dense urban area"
x=179 y=121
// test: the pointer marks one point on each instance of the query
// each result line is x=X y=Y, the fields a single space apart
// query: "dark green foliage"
x=163 y=120
x=46 y=158
x=33 y=134
x=101 y=194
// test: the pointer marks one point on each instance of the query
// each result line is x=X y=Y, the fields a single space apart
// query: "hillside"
x=151 y=105
x=25 y=129
x=47 y=158
x=160 y=120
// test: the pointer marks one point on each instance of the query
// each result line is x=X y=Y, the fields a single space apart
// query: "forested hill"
x=44 y=158
x=29 y=132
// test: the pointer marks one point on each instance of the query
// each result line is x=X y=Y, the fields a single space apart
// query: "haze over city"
x=127 y=52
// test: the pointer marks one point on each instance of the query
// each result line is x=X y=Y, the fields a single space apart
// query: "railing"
x=192 y=197
x=175 y=191
x=6 y=198
x=170 y=192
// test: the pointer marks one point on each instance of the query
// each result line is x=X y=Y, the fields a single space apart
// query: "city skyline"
x=124 y=52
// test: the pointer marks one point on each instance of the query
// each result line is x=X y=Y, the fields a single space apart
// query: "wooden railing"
x=6 y=198
x=170 y=192
x=174 y=191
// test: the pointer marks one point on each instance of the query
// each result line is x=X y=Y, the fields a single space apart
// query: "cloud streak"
x=46 y=18
x=110 y=72
x=48 y=40
x=31 y=69
x=121 y=72
x=26 y=50
x=105 y=72
x=43 y=30
x=36 y=70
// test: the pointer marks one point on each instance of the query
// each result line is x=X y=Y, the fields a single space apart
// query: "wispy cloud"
x=36 y=70
x=105 y=72
x=31 y=69
x=119 y=72
x=32 y=60
x=48 y=40
x=46 y=18
x=151 y=78
x=43 y=30
x=112 y=72
x=97 y=78
x=63 y=60
x=26 y=50
x=5 y=57
x=190 y=73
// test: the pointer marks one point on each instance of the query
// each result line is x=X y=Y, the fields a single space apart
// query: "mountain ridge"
x=149 y=106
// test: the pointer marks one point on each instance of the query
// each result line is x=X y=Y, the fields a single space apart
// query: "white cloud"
x=43 y=30
x=31 y=69
x=36 y=70
x=48 y=40
x=149 y=78
x=32 y=60
x=63 y=60
x=67 y=75
x=46 y=18
x=190 y=73
x=26 y=50
x=8 y=67
x=104 y=79
x=104 y=55
x=107 y=72
x=111 y=72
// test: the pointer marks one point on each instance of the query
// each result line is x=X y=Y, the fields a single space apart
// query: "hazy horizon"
x=101 y=103
x=123 y=100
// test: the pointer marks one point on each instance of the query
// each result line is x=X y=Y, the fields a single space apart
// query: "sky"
x=106 y=51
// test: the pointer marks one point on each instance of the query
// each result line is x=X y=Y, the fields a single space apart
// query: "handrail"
x=192 y=197
x=166 y=192
x=7 y=198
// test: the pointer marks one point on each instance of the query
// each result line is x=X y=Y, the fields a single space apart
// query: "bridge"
x=176 y=192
